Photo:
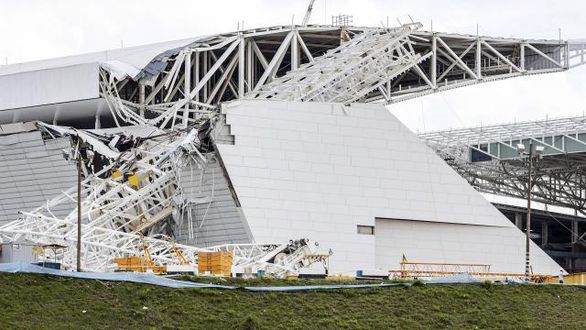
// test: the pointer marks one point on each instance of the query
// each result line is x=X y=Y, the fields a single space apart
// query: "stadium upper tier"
x=488 y=158
x=162 y=83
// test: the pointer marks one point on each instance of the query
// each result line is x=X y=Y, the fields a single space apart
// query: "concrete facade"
x=319 y=170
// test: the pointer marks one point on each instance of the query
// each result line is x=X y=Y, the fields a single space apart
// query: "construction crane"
x=308 y=13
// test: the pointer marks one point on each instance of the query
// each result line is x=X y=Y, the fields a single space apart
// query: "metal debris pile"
x=130 y=201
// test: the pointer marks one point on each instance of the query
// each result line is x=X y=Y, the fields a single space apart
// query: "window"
x=365 y=230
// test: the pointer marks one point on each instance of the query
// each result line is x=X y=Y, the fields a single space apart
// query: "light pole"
x=79 y=162
x=75 y=154
x=536 y=152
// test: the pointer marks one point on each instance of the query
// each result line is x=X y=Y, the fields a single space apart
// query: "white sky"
x=37 y=29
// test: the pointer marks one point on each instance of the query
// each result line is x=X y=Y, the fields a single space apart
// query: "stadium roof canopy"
x=152 y=84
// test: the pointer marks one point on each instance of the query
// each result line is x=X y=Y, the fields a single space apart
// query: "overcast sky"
x=37 y=29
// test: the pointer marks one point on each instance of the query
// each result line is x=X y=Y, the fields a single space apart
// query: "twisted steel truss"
x=322 y=63
x=130 y=202
x=128 y=205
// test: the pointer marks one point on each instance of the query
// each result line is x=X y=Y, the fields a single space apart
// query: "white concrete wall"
x=318 y=170
x=420 y=241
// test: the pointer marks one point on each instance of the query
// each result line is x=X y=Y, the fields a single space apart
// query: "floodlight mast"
x=538 y=152
x=528 y=229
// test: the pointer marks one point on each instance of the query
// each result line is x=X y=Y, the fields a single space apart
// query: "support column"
x=141 y=98
x=196 y=74
x=433 y=68
x=519 y=220
x=249 y=61
x=567 y=55
x=241 y=60
x=187 y=88
x=205 y=71
x=478 y=58
x=544 y=234
x=522 y=57
x=294 y=52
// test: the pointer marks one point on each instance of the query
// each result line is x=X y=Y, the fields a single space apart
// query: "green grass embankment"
x=38 y=301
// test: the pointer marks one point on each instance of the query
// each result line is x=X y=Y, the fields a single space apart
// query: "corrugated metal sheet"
x=32 y=171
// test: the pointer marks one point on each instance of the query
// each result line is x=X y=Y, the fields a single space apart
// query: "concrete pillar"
x=519 y=220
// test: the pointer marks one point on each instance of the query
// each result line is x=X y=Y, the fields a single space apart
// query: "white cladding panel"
x=501 y=247
x=318 y=170
x=58 y=85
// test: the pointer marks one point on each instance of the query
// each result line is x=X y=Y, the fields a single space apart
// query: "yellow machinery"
x=139 y=263
x=217 y=263
x=180 y=255
x=577 y=278
x=411 y=269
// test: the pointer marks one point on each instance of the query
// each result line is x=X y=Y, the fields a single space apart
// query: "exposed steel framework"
x=179 y=93
x=488 y=158
x=322 y=63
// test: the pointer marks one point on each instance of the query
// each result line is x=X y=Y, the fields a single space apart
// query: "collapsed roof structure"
x=263 y=135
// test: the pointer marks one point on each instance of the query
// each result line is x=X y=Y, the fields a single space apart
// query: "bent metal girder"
x=322 y=63
x=126 y=206
x=349 y=72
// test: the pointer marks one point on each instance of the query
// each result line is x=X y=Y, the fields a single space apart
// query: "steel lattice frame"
x=292 y=63
x=182 y=88
x=119 y=217
x=487 y=158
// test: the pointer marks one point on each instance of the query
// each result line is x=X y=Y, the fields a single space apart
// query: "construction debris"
x=128 y=198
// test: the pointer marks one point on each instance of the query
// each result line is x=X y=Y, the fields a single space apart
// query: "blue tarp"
x=463 y=278
x=118 y=277
x=152 y=279
x=319 y=287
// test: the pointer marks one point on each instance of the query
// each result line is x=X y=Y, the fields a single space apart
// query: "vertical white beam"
x=294 y=52
x=249 y=61
x=196 y=74
x=141 y=97
x=241 y=68
x=522 y=57
x=187 y=87
x=205 y=71
x=478 y=58
x=141 y=92
x=433 y=73
x=567 y=55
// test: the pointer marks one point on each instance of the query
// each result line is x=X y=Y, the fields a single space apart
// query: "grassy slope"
x=33 y=301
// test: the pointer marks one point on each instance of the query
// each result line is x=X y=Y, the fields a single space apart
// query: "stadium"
x=266 y=141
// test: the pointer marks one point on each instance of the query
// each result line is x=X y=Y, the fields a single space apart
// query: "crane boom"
x=308 y=13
